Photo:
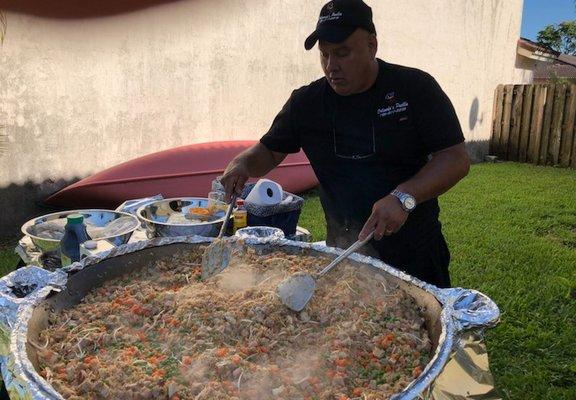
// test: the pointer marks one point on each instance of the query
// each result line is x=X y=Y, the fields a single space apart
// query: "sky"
x=539 y=13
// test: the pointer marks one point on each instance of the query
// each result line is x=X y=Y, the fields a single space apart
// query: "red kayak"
x=185 y=171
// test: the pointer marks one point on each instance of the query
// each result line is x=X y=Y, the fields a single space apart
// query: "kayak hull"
x=186 y=171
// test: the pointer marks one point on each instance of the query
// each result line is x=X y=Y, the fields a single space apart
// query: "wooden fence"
x=535 y=123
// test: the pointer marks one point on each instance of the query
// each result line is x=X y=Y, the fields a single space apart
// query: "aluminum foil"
x=458 y=369
x=254 y=234
x=466 y=375
x=131 y=206
x=20 y=378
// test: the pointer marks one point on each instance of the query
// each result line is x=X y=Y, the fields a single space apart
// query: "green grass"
x=8 y=259
x=312 y=216
x=512 y=233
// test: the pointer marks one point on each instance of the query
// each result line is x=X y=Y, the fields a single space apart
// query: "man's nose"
x=332 y=64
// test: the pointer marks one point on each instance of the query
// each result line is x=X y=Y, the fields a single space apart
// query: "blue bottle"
x=74 y=235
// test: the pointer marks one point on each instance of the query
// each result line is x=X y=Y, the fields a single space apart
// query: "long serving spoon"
x=217 y=256
x=297 y=290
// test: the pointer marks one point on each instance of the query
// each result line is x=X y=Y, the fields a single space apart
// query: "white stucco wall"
x=81 y=95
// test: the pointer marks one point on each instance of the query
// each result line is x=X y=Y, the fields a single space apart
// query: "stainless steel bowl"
x=47 y=230
x=167 y=218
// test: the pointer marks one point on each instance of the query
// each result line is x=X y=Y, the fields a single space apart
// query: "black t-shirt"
x=362 y=146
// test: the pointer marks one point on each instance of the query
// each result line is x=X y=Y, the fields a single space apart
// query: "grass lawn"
x=512 y=233
x=8 y=259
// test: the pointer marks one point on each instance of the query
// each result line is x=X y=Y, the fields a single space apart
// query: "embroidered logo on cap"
x=331 y=17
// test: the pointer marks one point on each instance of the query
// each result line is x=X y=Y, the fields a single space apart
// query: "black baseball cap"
x=339 y=19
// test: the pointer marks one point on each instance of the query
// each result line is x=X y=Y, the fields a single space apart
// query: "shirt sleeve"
x=283 y=135
x=437 y=122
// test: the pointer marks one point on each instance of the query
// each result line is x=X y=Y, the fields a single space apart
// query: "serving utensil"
x=297 y=290
x=217 y=255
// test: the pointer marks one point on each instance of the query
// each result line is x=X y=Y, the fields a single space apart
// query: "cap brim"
x=330 y=34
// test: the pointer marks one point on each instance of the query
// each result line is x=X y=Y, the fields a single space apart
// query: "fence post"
x=525 y=124
x=514 y=141
x=536 y=123
x=505 y=137
x=497 y=121
x=568 y=127
x=543 y=158
x=556 y=130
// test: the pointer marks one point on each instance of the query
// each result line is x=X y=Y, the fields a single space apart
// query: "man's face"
x=347 y=65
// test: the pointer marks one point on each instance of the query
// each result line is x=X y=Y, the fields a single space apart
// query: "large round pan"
x=450 y=314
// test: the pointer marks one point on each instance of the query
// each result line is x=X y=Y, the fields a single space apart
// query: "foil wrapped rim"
x=254 y=234
x=462 y=310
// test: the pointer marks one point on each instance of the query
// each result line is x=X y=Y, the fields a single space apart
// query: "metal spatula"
x=296 y=291
x=216 y=257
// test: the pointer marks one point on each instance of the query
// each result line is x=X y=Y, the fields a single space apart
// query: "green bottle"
x=74 y=235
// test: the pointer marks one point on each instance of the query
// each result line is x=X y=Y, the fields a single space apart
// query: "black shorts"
x=424 y=255
x=428 y=262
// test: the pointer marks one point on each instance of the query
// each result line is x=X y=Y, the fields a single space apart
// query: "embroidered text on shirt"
x=393 y=109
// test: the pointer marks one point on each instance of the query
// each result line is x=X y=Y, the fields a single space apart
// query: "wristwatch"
x=408 y=202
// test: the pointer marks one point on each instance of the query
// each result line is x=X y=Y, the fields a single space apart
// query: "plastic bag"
x=49 y=230
x=117 y=227
x=290 y=202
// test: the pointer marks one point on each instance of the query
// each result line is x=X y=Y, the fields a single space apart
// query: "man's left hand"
x=387 y=218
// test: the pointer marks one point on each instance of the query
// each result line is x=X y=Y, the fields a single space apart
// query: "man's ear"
x=373 y=44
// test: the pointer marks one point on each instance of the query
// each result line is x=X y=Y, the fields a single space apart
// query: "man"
x=383 y=140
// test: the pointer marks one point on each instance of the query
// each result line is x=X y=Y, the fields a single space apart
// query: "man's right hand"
x=234 y=178
x=253 y=162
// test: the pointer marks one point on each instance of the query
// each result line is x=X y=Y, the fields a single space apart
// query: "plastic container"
x=240 y=216
x=74 y=235
x=216 y=201
x=217 y=185
x=283 y=216
x=287 y=221
x=216 y=196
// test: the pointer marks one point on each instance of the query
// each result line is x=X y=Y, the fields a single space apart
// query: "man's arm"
x=443 y=171
x=256 y=161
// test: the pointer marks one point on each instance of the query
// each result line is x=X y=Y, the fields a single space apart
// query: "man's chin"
x=342 y=90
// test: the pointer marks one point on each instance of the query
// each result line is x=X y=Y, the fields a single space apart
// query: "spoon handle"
x=351 y=249
x=227 y=217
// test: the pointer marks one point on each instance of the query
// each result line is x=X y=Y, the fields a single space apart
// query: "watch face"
x=409 y=202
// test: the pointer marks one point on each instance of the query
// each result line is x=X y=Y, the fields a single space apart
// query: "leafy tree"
x=560 y=37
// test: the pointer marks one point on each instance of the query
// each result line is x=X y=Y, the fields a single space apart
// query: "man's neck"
x=372 y=75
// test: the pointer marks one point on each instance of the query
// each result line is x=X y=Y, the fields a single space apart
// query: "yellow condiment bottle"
x=240 y=215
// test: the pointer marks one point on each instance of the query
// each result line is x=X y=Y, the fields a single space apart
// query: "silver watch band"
x=403 y=198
